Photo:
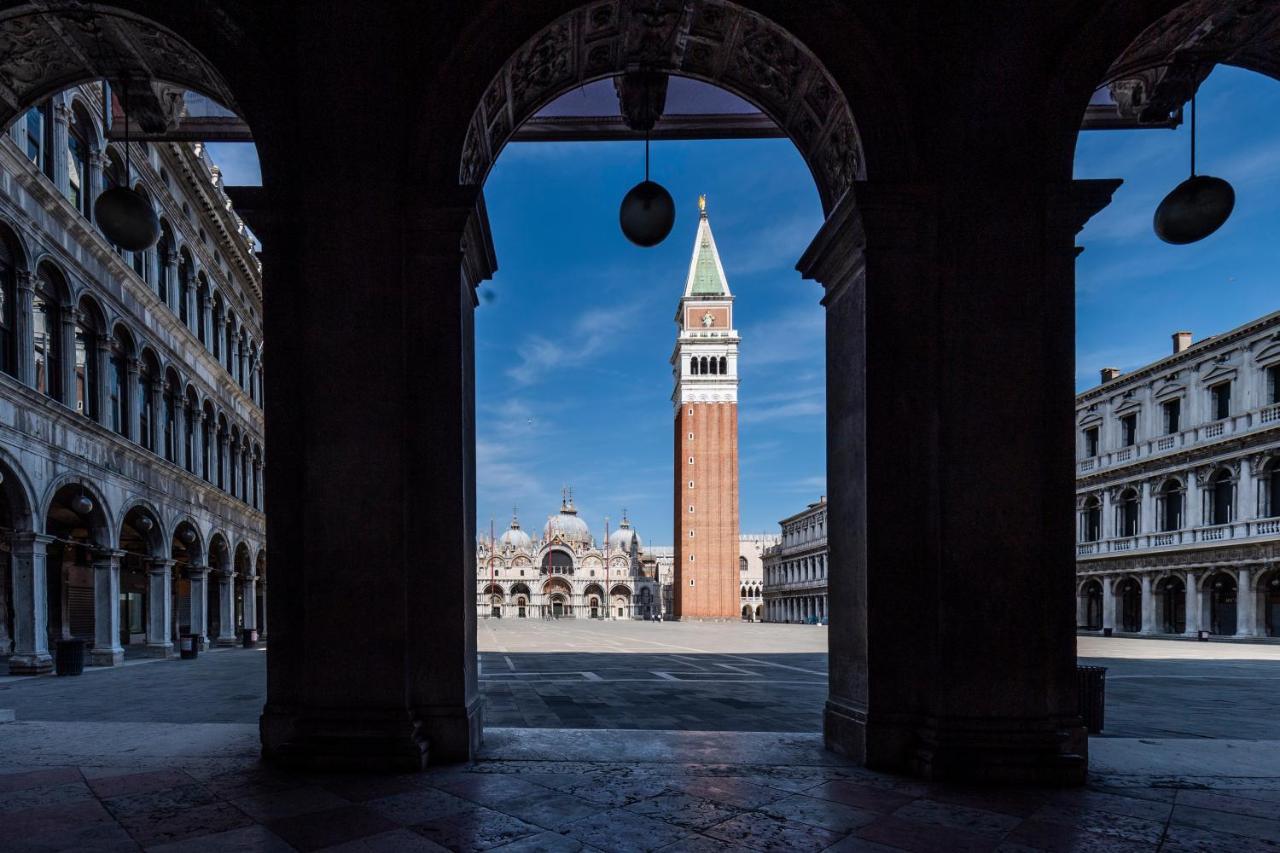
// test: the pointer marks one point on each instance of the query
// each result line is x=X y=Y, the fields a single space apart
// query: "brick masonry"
x=707 y=433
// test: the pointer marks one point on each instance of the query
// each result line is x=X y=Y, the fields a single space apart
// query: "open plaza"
x=632 y=735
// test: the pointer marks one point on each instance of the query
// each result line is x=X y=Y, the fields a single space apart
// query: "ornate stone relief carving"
x=711 y=40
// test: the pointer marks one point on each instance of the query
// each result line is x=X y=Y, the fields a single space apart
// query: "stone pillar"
x=160 y=608
x=242 y=365
x=1246 y=497
x=262 y=614
x=421 y=701
x=30 y=605
x=199 y=454
x=1147 y=512
x=226 y=609
x=199 y=577
x=99 y=391
x=61 y=122
x=96 y=159
x=1148 y=606
x=223 y=459
x=206 y=320
x=1193 y=509
x=132 y=392
x=258 y=501
x=178 y=452
x=1082 y=607
x=67 y=355
x=159 y=418
x=1192 y=604
x=1108 y=603
x=930 y=299
x=106 y=649
x=25 y=364
x=250 y=593
x=1246 y=604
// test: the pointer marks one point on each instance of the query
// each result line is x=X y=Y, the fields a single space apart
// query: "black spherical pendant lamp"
x=81 y=505
x=124 y=214
x=126 y=218
x=648 y=212
x=1195 y=208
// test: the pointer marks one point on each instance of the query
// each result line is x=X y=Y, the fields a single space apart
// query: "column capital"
x=156 y=565
x=107 y=556
x=25 y=280
x=28 y=540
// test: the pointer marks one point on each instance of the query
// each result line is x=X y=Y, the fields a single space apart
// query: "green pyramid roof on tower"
x=706 y=273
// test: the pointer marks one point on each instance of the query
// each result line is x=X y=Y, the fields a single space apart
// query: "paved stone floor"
x=163 y=756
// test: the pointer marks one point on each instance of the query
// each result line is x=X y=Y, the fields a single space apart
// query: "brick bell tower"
x=705 y=367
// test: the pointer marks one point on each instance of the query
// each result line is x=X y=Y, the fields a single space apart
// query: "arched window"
x=208 y=451
x=257 y=466
x=46 y=328
x=233 y=469
x=1127 y=517
x=189 y=439
x=1170 y=506
x=1091 y=520
x=142 y=260
x=8 y=302
x=202 y=296
x=221 y=458
x=1271 y=489
x=164 y=257
x=693 y=366
x=243 y=359
x=172 y=400
x=38 y=132
x=714 y=366
x=742 y=564
x=1221 y=497
x=229 y=349
x=79 y=135
x=724 y=366
x=557 y=563
x=217 y=323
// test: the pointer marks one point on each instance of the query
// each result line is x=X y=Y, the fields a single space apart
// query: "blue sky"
x=574 y=333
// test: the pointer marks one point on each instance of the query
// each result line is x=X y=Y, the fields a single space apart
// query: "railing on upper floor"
x=1264 y=417
x=1242 y=529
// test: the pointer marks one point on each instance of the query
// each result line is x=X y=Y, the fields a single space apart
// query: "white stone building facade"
x=131 y=429
x=795 y=569
x=751 y=550
x=1178 y=490
x=564 y=574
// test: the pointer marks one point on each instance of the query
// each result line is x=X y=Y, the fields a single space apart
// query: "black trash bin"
x=1092 y=685
x=1106 y=632
x=189 y=646
x=69 y=657
x=249 y=637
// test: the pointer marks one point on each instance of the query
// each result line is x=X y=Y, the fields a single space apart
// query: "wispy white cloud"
x=808 y=404
x=500 y=470
x=775 y=246
x=793 y=335
x=594 y=332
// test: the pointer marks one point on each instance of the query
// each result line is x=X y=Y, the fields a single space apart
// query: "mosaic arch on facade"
x=710 y=40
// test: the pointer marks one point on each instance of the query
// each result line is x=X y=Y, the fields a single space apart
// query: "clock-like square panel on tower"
x=705 y=401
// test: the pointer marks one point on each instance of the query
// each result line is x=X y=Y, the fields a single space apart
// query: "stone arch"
x=220 y=554
x=102 y=522
x=15 y=240
x=184 y=528
x=18 y=491
x=715 y=41
x=50 y=269
x=131 y=513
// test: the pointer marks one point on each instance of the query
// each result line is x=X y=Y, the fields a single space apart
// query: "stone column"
x=1246 y=498
x=262 y=614
x=206 y=319
x=1193 y=509
x=25 y=364
x=98 y=391
x=159 y=608
x=67 y=355
x=223 y=459
x=159 y=418
x=242 y=366
x=250 y=593
x=132 y=392
x=931 y=299
x=226 y=609
x=1246 y=604
x=1192 y=604
x=30 y=605
x=106 y=610
x=258 y=502
x=1148 y=606
x=199 y=577
x=391 y=711
x=178 y=452
x=61 y=122
x=1108 y=603
x=1147 y=512
x=1082 y=607
x=96 y=159
x=198 y=452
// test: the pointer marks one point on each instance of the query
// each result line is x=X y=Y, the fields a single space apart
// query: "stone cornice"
x=1206 y=557
x=1200 y=454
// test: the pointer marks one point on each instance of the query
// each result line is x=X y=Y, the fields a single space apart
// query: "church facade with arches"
x=565 y=574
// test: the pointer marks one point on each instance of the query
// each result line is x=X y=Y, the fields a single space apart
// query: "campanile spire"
x=705 y=403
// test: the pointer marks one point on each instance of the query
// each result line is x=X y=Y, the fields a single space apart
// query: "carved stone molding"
x=710 y=40
x=49 y=45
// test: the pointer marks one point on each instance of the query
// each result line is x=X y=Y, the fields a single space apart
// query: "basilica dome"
x=624 y=537
x=514 y=536
x=567 y=525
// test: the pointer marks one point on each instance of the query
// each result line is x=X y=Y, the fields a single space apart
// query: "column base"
x=159 y=650
x=341 y=739
x=1003 y=751
x=37 y=664
x=106 y=657
x=226 y=641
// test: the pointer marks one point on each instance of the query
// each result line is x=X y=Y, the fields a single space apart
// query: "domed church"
x=564 y=574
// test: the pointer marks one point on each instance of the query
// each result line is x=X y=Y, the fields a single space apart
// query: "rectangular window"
x=1128 y=430
x=1091 y=442
x=690 y=507
x=691 y=484
x=1220 y=400
x=1172 y=416
x=35 y=128
x=1273 y=383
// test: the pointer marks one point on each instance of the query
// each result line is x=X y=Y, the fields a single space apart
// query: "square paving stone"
x=860 y=796
x=684 y=810
x=38 y=778
x=731 y=791
x=88 y=838
x=958 y=817
x=246 y=839
x=327 y=828
x=395 y=841
x=477 y=828
x=43 y=819
x=1103 y=823
x=163 y=801
x=277 y=804
x=836 y=817
x=549 y=809
x=43 y=795
x=1245 y=826
x=107 y=787
x=413 y=807
x=546 y=842
x=1190 y=839
x=622 y=831
x=757 y=831
x=1034 y=835
x=152 y=828
x=925 y=837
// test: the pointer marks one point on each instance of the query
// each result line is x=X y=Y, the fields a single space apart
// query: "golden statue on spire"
x=702 y=203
